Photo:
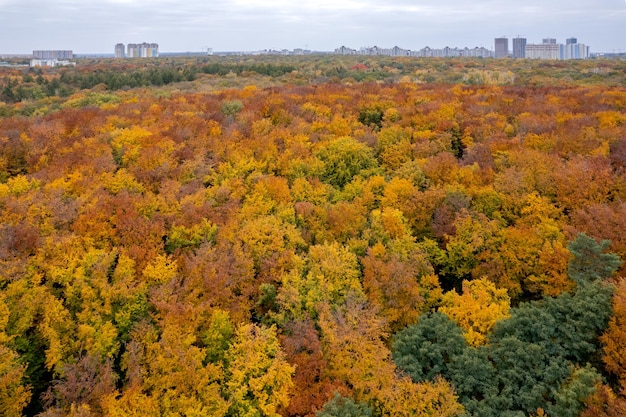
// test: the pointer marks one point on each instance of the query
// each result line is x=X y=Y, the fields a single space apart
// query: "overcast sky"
x=95 y=26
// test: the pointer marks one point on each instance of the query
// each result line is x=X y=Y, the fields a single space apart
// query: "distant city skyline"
x=549 y=48
x=247 y=25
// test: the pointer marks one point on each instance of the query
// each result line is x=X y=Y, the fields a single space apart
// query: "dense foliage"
x=314 y=246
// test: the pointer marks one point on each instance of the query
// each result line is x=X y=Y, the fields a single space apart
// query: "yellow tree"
x=397 y=276
x=271 y=243
x=259 y=376
x=352 y=342
x=167 y=372
x=333 y=273
x=14 y=394
x=529 y=256
x=477 y=309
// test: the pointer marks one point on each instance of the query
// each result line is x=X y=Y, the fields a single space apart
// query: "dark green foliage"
x=272 y=70
x=31 y=347
x=426 y=349
x=115 y=80
x=266 y=303
x=458 y=148
x=13 y=90
x=527 y=376
x=567 y=325
x=372 y=116
x=581 y=318
x=581 y=384
x=530 y=362
x=473 y=377
x=529 y=323
x=340 y=406
x=590 y=262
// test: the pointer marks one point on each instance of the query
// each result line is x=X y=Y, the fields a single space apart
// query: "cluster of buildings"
x=297 y=51
x=137 y=50
x=446 y=52
x=547 y=49
x=53 y=54
x=51 y=58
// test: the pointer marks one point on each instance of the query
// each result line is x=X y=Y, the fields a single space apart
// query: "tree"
x=14 y=393
x=340 y=406
x=392 y=284
x=530 y=361
x=393 y=148
x=426 y=349
x=573 y=393
x=346 y=220
x=614 y=338
x=258 y=376
x=221 y=276
x=312 y=385
x=332 y=276
x=271 y=243
x=527 y=375
x=567 y=325
x=477 y=309
x=473 y=236
x=343 y=159
x=475 y=380
x=150 y=238
x=589 y=261
x=529 y=258
x=372 y=116
x=352 y=342
x=168 y=371
x=84 y=385
x=603 y=221
x=604 y=403
x=231 y=108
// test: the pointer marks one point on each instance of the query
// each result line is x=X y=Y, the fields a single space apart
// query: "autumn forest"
x=313 y=236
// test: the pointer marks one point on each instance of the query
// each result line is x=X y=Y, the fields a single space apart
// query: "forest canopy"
x=248 y=237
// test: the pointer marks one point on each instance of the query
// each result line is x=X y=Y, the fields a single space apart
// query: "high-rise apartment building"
x=545 y=50
x=549 y=49
x=150 y=50
x=519 y=47
x=132 y=51
x=344 y=50
x=53 y=54
x=574 y=50
x=120 y=51
x=142 y=50
x=502 y=47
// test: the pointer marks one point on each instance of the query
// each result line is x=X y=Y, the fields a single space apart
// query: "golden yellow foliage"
x=477 y=309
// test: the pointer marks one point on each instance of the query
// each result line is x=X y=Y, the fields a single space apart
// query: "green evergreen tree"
x=567 y=325
x=340 y=406
x=589 y=261
x=570 y=399
x=426 y=349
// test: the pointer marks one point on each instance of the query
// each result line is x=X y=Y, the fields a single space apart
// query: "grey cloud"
x=96 y=25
